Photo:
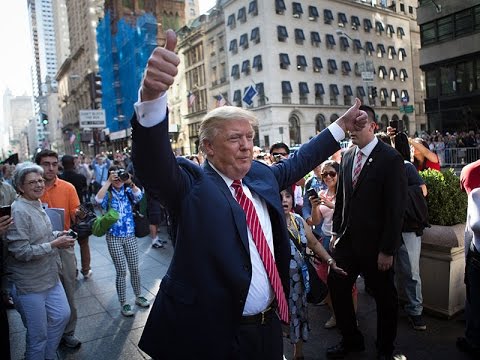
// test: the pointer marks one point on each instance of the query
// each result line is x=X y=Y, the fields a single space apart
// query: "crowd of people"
x=249 y=225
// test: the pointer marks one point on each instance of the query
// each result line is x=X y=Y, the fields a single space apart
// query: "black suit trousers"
x=385 y=293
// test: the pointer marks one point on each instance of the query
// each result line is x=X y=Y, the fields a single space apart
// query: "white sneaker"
x=331 y=323
x=127 y=310
x=157 y=244
x=88 y=274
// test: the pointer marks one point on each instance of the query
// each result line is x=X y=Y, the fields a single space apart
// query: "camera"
x=122 y=174
x=311 y=192
x=72 y=234
x=277 y=158
x=397 y=125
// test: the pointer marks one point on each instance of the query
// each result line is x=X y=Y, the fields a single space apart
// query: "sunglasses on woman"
x=332 y=174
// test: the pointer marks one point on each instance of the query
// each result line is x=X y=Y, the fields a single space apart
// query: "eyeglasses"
x=35 y=182
x=281 y=153
x=332 y=174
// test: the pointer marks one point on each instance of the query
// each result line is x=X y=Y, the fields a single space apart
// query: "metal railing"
x=458 y=157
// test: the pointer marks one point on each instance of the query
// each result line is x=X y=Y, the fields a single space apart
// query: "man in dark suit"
x=222 y=297
x=367 y=221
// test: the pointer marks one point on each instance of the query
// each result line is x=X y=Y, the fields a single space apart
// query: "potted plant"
x=442 y=259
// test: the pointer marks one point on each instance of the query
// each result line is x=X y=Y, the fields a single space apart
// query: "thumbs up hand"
x=354 y=118
x=161 y=69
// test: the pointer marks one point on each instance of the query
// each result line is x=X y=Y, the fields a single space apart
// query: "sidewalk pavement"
x=106 y=334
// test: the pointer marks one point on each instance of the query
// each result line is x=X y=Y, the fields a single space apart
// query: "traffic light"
x=44 y=119
x=374 y=92
x=95 y=83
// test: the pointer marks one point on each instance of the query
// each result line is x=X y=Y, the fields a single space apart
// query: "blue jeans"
x=472 y=303
x=407 y=272
x=45 y=315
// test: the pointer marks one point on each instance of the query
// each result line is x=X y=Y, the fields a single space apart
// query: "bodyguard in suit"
x=224 y=294
x=367 y=221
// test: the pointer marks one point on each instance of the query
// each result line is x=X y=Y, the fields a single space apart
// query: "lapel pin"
x=369 y=161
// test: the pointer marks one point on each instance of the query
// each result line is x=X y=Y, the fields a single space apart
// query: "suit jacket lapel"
x=349 y=156
x=237 y=211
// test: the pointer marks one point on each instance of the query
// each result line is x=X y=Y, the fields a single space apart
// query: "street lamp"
x=367 y=76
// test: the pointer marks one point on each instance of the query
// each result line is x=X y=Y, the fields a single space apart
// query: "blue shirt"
x=119 y=200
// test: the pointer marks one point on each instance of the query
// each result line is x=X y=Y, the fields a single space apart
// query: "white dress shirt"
x=366 y=151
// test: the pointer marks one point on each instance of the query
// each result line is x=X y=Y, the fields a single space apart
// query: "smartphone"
x=5 y=210
x=312 y=192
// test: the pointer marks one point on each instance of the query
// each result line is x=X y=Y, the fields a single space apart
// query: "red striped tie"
x=261 y=243
x=358 y=168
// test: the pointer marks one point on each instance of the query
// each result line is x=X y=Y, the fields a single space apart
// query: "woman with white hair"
x=33 y=266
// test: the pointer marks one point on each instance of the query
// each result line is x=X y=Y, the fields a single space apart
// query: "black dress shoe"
x=340 y=350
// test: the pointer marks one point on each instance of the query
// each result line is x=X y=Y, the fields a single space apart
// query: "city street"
x=106 y=334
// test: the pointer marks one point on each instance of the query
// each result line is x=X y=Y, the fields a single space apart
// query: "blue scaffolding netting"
x=122 y=58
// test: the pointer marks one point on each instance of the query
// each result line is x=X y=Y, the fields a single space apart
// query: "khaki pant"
x=68 y=276
x=84 y=255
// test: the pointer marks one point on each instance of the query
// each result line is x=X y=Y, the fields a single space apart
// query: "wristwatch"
x=330 y=261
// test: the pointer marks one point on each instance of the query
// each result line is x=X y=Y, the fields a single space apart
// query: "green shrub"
x=447 y=204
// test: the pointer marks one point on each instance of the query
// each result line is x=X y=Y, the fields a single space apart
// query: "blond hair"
x=211 y=122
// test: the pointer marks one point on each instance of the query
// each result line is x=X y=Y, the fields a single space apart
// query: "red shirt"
x=470 y=176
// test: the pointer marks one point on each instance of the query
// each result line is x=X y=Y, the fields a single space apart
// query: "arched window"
x=382 y=126
x=406 y=123
x=333 y=118
x=319 y=123
x=294 y=129
x=395 y=117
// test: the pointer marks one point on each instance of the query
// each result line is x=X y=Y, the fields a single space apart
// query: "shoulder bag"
x=104 y=222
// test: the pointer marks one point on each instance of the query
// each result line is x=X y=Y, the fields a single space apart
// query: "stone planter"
x=442 y=268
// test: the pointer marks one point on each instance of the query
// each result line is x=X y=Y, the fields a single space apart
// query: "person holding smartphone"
x=33 y=266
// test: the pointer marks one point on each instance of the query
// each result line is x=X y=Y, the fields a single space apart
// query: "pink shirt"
x=327 y=214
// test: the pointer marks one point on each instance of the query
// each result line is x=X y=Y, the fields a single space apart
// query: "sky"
x=205 y=5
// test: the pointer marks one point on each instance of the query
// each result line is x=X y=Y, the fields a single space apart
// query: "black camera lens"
x=123 y=175
x=72 y=233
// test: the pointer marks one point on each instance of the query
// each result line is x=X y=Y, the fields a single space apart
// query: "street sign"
x=92 y=119
x=367 y=75
x=406 y=109
x=405 y=100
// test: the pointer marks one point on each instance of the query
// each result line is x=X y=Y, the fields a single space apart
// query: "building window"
x=319 y=92
x=286 y=92
x=347 y=95
x=383 y=96
x=261 y=94
x=402 y=54
x=346 y=69
x=390 y=31
x=255 y=35
x=403 y=75
x=237 y=98
x=319 y=123
x=257 y=63
x=246 y=67
x=312 y=13
x=330 y=41
x=428 y=33
x=317 y=64
x=303 y=90
x=284 y=61
x=464 y=23
x=327 y=16
x=332 y=66
x=394 y=97
x=297 y=10
x=367 y=25
x=235 y=72
x=355 y=22
x=400 y=32
x=393 y=73
x=402 y=7
x=334 y=94
x=344 y=45
x=342 y=19
x=379 y=28
x=244 y=41
x=360 y=92
x=242 y=15
x=445 y=29
x=231 y=21
x=380 y=50
x=391 y=52
x=301 y=63
x=357 y=46
x=404 y=94
x=369 y=48
x=382 y=72
x=315 y=38
x=233 y=46
x=294 y=130
x=253 y=8
x=280 y=7
x=299 y=36
x=282 y=33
